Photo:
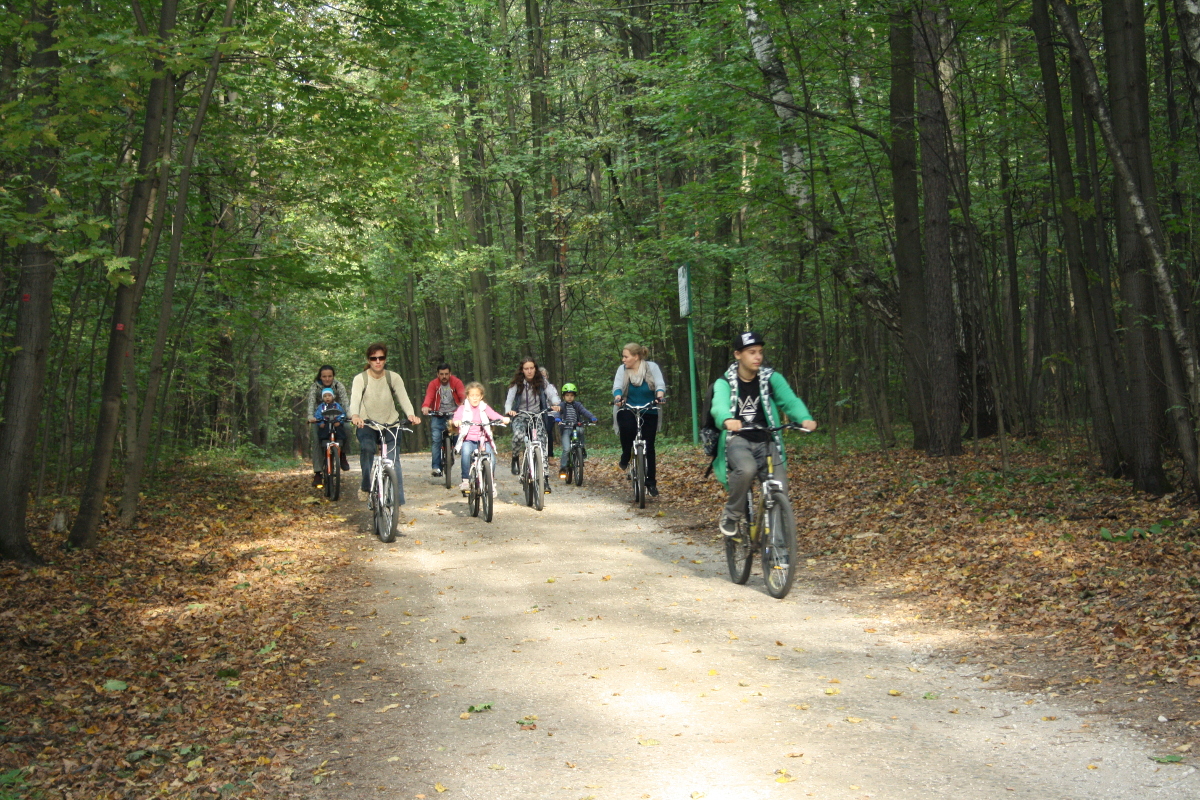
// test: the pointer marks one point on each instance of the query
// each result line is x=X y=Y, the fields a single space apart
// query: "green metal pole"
x=692 y=369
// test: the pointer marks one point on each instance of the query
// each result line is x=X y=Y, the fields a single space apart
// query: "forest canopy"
x=976 y=218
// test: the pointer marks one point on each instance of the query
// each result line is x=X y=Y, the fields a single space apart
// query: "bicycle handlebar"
x=485 y=424
x=643 y=407
x=789 y=426
x=381 y=427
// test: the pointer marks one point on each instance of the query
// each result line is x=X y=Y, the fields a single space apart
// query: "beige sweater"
x=369 y=398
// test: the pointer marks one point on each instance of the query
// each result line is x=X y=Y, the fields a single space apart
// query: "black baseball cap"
x=747 y=339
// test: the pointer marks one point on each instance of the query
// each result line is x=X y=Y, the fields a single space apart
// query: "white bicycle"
x=384 y=500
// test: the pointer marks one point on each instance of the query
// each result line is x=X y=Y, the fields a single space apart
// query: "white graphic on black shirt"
x=748 y=409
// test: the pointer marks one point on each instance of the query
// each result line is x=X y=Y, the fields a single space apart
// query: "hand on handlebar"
x=809 y=425
x=733 y=425
x=414 y=419
x=357 y=420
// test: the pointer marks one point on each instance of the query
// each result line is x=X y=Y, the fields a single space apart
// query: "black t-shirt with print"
x=750 y=410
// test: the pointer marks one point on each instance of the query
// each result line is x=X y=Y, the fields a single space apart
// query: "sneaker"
x=652 y=488
x=515 y=471
x=495 y=490
x=623 y=466
x=729 y=526
x=437 y=473
x=547 y=485
x=317 y=480
x=562 y=474
x=364 y=495
x=465 y=486
x=345 y=463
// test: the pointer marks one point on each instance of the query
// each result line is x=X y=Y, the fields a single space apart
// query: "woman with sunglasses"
x=378 y=394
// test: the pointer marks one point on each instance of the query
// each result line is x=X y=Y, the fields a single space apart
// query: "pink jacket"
x=469 y=414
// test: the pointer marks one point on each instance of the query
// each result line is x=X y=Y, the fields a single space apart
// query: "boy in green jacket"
x=750 y=394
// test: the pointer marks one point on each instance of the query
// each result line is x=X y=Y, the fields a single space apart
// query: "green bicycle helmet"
x=569 y=387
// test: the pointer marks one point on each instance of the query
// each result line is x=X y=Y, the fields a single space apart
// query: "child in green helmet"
x=571 y=414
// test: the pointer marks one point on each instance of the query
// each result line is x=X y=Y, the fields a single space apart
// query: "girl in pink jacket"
x=470 y=413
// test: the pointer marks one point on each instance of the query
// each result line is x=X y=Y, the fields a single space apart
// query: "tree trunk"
x=139 y=447
x=35 y=283
x=1124 y=134
x=905 y=208
x=91 y=501
x=1105 y=429
x=940 y=362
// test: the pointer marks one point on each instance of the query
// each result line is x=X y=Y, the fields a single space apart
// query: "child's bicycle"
x=331 y=479
x=637 y=458
x=384 y=501
x=768 y=526
x=447 y=449
x=481 y=482
x=531 y=463
x=577 y=453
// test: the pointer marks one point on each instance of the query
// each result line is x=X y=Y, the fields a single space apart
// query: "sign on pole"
x=685 y=292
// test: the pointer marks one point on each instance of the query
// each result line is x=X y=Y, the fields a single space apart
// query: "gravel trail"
x=640 y=671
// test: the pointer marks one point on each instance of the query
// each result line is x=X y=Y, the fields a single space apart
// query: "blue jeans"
x=437 y=427
x=566 y=445
x=368 y=446
x=468 y=450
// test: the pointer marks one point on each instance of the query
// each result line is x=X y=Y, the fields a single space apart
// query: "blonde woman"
x=638 y=381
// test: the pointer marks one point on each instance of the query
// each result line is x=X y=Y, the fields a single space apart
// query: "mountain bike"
x=768 y=526
x=637 y=459
x=531 y=463
x=384 y=500
x=332 y=477
x=447 y=449
x=481 y=480
x=577 y=453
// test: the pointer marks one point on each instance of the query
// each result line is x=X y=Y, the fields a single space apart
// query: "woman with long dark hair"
x=530 y=391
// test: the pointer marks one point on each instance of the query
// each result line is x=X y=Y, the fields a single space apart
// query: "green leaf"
x=114 y=685
x=480 y=707
x=264 y=650
x=1167 y=759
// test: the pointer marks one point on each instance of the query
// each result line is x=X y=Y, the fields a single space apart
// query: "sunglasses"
x=376 y=358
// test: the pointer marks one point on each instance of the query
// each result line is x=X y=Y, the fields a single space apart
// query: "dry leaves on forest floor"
x=170 y=660
x=1048 y=549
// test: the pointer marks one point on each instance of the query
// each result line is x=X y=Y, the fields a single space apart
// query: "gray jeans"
x=746 y=463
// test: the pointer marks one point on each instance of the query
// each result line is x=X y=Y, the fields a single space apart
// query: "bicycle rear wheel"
x=537 y=478
x=779 y=547
x=389 y=506
x=485 y=488
x=333 y=476
x=739 y=550
x=577 y=464
x=639 y=480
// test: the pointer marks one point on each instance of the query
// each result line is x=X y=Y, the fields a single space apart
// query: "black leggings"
x=627 y=425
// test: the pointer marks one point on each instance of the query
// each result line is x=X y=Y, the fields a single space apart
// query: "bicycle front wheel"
x=639 y=480
x=486 y=488
x=577 y=465
x=389 y=506
x=333 y=477
x=473 y=491
x=739 y=553
x=447 y=459
x=537 y=478
x=779 y=547
x=526 y=481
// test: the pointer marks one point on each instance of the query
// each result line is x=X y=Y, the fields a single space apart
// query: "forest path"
x=652 y=676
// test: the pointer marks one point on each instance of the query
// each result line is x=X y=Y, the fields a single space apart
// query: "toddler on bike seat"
x=328 y=425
